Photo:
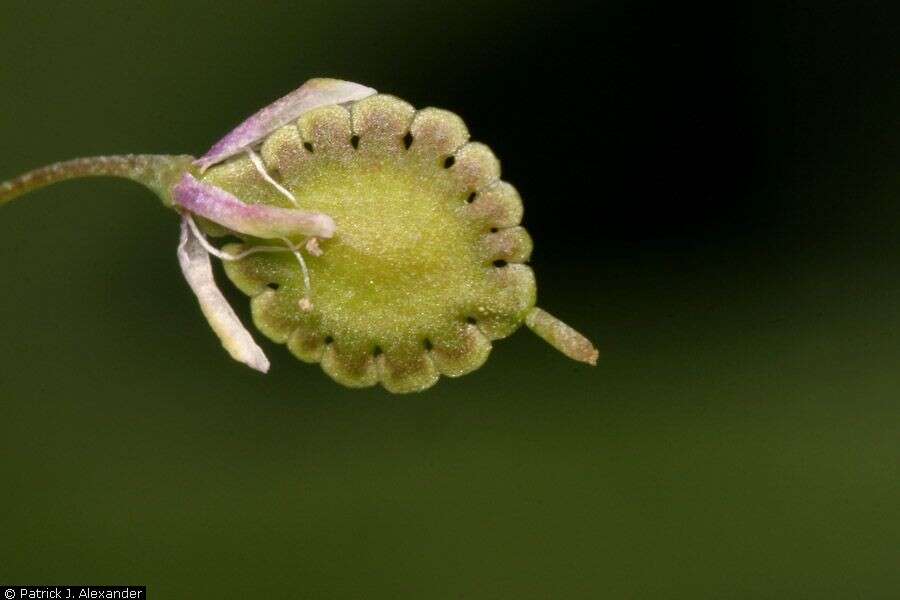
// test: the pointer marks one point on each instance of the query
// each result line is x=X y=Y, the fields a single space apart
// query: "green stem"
x=158 y=172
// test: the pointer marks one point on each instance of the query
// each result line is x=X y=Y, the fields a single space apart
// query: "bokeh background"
x=714 y=196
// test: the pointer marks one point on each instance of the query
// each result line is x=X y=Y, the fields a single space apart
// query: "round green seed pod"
x=426 y=267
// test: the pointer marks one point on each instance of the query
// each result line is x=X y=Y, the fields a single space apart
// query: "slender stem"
x=159 y=172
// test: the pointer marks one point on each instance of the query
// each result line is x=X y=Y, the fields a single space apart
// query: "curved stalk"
x=158 y=172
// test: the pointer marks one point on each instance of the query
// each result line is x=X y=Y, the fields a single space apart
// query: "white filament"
x=224 y=255
x=312 y=243
x=261 y=169
x=201 y=239
x=296 y=252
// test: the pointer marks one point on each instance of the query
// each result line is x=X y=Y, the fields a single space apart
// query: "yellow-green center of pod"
x=425 y=268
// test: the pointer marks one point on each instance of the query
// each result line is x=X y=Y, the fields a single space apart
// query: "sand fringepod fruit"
x=376 y=240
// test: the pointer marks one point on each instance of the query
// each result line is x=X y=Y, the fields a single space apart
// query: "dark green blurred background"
x=714 y=199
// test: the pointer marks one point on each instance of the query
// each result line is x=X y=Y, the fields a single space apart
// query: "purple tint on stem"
x=312 y=94
x=258 y=220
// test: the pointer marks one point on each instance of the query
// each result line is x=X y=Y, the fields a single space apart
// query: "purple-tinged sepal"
x=312 y=94
x=197 y=270
x=258 y=220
